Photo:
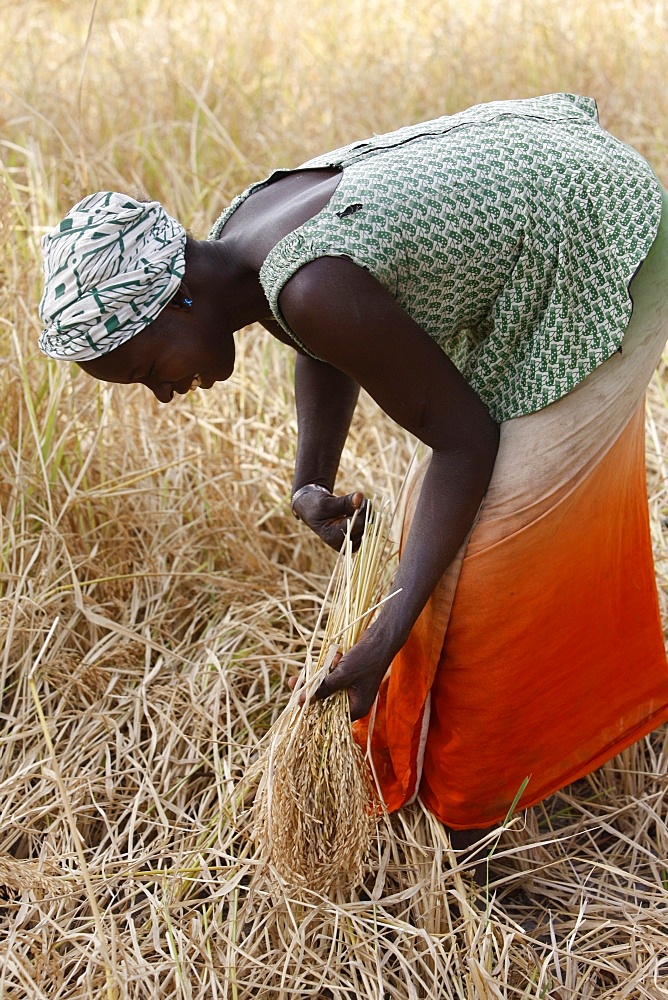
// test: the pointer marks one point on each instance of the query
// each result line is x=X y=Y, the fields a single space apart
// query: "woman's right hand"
x=360 y=672
x=328 y=516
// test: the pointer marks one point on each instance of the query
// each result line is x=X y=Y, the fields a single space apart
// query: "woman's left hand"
x=360 y=672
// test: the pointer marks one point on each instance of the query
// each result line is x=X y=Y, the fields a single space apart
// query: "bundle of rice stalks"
x=316 y=805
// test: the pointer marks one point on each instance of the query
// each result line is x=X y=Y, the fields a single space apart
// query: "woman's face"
x=168 y=356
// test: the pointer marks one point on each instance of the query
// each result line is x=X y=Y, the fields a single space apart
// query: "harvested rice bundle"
x=316 y=804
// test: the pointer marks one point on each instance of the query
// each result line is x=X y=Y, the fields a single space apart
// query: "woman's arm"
x=325 y=399
x=341 y=313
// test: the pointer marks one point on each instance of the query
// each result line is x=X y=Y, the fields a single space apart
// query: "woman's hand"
x=360 y=672
x=328 y=515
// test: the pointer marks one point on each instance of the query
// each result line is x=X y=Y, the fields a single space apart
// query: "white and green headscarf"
x=110 y=267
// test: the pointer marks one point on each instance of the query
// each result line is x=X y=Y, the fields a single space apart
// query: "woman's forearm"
x=451 y=494
x=325 y=400
x=450 y=497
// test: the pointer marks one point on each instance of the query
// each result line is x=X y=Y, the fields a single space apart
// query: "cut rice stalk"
x=316 y=805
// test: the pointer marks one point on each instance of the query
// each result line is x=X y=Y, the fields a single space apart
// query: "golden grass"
x=159 y=540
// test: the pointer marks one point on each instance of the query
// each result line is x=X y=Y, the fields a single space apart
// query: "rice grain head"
x=316 y=806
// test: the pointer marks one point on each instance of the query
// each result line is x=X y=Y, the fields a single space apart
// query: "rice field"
x=156 y=592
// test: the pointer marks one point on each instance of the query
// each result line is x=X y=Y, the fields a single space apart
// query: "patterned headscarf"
x=110 y=267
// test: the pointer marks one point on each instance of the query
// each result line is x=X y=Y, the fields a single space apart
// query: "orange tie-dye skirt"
x=541 y=654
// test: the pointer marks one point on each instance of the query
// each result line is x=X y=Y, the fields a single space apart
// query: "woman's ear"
x=182 y=299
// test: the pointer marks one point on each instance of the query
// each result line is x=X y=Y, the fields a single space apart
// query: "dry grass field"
x=156 y=593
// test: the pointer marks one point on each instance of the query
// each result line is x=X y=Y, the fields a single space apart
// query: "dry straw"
x=161 y=537
x=316 y=804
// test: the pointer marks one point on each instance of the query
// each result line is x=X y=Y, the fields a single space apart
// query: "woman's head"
x=115 y=299
x=110 y=267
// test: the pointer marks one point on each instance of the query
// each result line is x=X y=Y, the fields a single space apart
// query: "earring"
x=187 y=302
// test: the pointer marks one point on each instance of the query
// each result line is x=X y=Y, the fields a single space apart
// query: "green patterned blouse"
x=509 y=232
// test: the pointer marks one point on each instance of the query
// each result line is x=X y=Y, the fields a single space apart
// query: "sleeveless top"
x=509 y=232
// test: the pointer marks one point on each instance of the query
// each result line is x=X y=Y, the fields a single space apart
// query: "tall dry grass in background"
x=159 y=542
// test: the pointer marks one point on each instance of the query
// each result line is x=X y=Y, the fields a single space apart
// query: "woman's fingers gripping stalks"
x=360 y=672
x=328 y=516
x=298 y=680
